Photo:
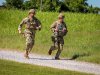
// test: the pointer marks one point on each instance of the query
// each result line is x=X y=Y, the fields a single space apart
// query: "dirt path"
x=48 y=61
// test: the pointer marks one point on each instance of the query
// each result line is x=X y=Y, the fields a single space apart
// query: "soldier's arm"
x=39 y=26
x=53 y=26
x=66 y=27
x=20 y=26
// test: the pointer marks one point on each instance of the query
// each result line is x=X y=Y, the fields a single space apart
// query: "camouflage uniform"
x=60 y=27
x=30 y=30
x=57 y=37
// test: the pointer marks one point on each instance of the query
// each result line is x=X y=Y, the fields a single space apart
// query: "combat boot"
x=51 y=49
x=26 y=55
x=57 y=58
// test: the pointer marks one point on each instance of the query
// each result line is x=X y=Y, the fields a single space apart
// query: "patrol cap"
x=31 y=11
x=61 y=15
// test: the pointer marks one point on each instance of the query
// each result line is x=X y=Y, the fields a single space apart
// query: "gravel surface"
x=48 y=61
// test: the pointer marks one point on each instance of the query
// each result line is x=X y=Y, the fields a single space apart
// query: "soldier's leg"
x=60 y=48
x=28 y=44
x=26 y=50
x=52 y=47
x=58 y=52
x=31 y=46
x=32 y=41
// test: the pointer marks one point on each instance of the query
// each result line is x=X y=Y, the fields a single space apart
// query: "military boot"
x=51 y=49
x=56 y=58
x=57 y=55
x=26 y=55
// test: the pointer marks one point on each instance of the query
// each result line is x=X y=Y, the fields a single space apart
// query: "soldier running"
x=31 y=25
x=59 y=29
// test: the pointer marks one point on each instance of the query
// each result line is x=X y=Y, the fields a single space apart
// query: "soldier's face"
x=61 y=19
x=32 y=14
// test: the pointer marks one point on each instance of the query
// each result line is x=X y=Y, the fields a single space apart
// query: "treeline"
x=52 y=5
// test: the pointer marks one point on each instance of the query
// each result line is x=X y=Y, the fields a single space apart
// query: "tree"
x=14 y=4
x=48 y=5
x=27 y=5
x=53 y=5
x=76 y=5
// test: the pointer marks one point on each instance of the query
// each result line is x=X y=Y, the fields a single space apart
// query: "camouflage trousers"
x=57 y=40
x=30 y=39
x=58 y=45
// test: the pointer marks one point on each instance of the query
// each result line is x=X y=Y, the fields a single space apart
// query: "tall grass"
x=82 y=39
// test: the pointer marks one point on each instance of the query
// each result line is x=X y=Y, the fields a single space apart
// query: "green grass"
x=83 y=39
x=15 y=68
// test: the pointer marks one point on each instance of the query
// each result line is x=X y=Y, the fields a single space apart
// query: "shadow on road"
x=75 y=56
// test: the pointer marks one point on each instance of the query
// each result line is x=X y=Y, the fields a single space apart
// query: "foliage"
x=83 y=36
x=14 y=4
x=53 y=5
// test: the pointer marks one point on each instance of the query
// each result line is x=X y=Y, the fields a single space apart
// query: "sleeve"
x=21 y=24
x=38 y=23
x=53 y=25
x=65 y=26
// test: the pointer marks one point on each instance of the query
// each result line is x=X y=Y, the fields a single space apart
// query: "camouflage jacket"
x=29 y=24
x=60 y=27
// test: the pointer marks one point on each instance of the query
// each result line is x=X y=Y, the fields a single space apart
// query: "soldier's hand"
x=38 y=28
x=20 y=32
x=64 y=30
x=56 y=30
